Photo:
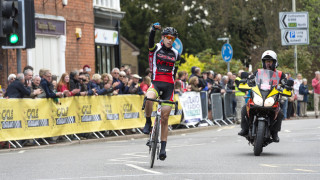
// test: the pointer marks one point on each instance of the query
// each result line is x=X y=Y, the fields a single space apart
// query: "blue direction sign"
x=227 y=52
x=177 y=44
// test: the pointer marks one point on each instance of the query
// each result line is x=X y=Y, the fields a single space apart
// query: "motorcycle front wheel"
x=258 y=144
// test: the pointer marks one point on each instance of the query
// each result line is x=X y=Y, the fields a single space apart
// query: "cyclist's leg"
x=165 y=112
x=152 y=93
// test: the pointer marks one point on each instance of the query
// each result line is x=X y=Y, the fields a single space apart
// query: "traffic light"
x=8 y=21
x=22 y=35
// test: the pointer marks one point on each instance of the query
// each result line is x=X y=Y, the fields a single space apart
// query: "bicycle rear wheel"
x=154 y=141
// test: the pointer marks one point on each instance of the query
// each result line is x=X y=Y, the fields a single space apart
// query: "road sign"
x=293 y=20
x=177 y=44
x=227 y=52
x=294 y=37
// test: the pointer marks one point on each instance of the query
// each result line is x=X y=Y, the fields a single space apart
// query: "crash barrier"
x=39 y=118
x=228 y=109
x=222 y=108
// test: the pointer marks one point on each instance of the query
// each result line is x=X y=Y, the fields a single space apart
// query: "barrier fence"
x=40 y=118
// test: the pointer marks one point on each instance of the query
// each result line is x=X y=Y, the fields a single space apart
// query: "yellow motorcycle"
x=263 y=105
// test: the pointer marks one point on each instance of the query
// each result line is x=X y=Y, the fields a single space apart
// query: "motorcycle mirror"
x=244 y=75
x=290 y=82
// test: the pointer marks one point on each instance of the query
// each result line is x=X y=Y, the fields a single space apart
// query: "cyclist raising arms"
x=163 y=62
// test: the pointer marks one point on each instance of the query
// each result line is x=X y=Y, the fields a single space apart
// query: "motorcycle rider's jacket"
x=276 y=78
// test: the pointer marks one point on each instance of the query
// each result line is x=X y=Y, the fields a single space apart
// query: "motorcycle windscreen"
x=266 y=79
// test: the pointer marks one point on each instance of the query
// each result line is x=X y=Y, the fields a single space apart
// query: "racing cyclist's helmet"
x=170 y=31
x=269 y=55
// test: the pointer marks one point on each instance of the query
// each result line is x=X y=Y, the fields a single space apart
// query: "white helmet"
x=269 y=55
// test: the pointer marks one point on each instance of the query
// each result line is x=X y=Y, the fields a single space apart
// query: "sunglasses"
x=121 y=76
x=170 y=37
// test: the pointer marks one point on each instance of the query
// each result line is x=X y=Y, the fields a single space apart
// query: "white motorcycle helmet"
x=269 y=55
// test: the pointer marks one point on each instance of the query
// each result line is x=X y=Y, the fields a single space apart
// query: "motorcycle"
x=263 y=105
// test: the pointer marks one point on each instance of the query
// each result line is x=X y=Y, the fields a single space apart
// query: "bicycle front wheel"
x=154 y=142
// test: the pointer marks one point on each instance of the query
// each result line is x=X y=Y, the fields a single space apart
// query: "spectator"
x=11 y=78
x=54 y=85
x=28 y=74
x=202 y=82
x=124 y=82
x=149 y=73
x=128 y=72
x=290 y=106
x=36 y=85
x=86 y=69
x=239 y=98
x=181 y=78
x=106 y=85
x=194 y=82
x=74 y=83
x=316 y=91
x=303 y=89
x=64 y=86
x=193 y=68
x=134 y=87
x=45 y=84
x=210 y=78
x=177 y=88
x=17 y=89
x=145 y=84
x=94 y=85
x=115 y=91
x=115 y=75
x=297 y=83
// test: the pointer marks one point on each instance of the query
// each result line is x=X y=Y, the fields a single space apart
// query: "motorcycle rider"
x=269 y=62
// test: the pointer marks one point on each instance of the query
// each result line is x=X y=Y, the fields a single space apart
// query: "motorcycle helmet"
x=269 y=55
x=170 y=30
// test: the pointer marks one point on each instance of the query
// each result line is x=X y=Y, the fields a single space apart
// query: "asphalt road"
x=217 y=153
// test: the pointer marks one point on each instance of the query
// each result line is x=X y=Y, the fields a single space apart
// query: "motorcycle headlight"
x=257 y=100
x=269 y=101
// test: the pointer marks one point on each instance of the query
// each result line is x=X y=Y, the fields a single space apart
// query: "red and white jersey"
x=162 y=63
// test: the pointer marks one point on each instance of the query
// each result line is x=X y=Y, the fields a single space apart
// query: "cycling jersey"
x=162 y=61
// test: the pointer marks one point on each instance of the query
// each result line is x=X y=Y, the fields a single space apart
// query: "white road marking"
x=287 y=131
x=305 y=170
x=183 y=134
x=219 y=130
x=21 y=152
x=187 y=145
x=196 y=174
x=213 y=141
x=143 y=169
x=268 y=165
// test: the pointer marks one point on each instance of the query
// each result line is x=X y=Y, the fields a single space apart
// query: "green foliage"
x=251 y=25
x=191 y=60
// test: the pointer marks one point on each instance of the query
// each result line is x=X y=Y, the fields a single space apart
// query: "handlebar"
x=160 y=102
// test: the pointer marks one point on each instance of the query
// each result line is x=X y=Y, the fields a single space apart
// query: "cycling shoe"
x=146 y=129
x=162 y=155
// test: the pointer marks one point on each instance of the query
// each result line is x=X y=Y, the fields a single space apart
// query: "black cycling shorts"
x=164 y=89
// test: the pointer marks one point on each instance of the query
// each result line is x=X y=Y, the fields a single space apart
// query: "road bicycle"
x=154 y=141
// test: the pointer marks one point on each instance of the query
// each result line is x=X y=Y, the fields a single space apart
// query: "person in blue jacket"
x=303 y=90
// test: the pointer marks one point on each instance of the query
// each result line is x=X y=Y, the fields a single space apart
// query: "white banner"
x=106 y=36
x=191 y=105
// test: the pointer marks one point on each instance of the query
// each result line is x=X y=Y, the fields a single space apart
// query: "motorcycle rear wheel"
x=258 y=143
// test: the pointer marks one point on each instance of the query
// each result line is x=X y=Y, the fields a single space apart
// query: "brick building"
x=69 y=36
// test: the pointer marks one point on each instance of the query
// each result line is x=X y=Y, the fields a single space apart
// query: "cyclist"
x=163 y=62
x=269 y=62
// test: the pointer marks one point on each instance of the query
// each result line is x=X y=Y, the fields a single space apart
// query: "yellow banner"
x=39 y=118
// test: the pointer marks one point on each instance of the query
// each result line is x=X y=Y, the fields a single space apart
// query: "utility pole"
x=295 y=54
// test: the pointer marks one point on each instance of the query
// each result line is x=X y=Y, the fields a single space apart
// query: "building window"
x=105 y=59
x=109 y=4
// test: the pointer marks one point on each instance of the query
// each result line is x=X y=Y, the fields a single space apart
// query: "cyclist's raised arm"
x=152 y=45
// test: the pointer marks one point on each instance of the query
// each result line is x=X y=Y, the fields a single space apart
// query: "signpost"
x=293 y=20
x=294 y=37
x=226 y=51
x=294 y=28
